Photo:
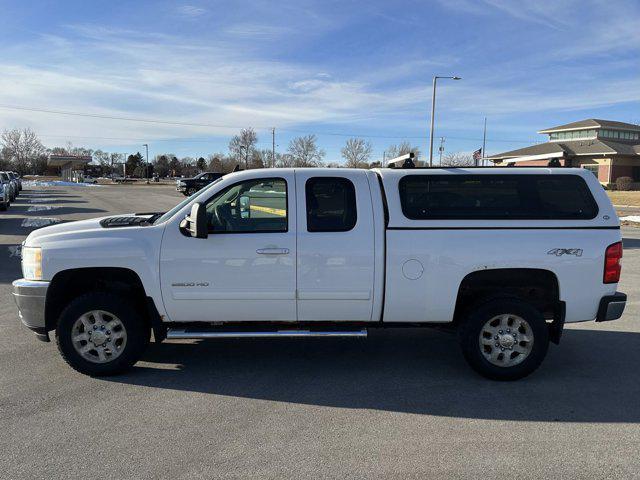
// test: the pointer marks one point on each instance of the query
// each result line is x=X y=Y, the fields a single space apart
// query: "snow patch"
x=38 y=222
x=631 y=218
x=56 y=183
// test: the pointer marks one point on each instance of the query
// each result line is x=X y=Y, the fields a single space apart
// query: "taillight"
x=612 y=266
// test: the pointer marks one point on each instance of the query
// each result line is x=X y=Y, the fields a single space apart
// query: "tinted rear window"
x=496 y=197
x=331 y=204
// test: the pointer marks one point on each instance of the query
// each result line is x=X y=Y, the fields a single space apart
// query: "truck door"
x=245 y=269
x=335 y=260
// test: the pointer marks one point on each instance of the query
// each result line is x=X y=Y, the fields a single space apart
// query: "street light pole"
x=433 y=115
x=146 y=165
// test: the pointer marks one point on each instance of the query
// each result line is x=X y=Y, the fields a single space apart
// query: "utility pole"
x=273 y=148
x=441 y=149
x=484 y=141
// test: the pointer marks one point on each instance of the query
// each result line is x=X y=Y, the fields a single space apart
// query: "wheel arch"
x=69 y=284
x=539 y=287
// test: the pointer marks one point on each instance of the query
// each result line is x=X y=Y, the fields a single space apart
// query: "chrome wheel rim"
x=99 y=336
x=506 y=340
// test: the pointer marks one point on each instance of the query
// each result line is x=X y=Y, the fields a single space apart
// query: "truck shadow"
x=592 y=377
x=44 y=193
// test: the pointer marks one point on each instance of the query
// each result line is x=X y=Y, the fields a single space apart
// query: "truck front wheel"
x=99 y=334
x=504 y=339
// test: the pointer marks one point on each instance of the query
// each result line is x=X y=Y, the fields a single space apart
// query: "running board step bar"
x=181 y=333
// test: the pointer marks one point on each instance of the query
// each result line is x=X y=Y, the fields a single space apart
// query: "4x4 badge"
x=558 y=252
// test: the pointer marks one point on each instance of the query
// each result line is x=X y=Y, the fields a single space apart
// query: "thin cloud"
x=191 y=11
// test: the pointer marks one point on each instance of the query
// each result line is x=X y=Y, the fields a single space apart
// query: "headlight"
x=32 y=263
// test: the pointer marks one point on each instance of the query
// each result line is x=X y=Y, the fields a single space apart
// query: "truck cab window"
x=252 y=206
x=331 y=204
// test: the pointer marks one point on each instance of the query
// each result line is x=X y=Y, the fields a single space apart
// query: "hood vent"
x=113 y=222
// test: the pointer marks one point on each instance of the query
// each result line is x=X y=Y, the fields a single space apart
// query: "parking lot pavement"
x=400 y=404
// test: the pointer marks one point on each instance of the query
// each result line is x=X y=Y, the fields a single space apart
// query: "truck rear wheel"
x=505 y=339
x=99 y=334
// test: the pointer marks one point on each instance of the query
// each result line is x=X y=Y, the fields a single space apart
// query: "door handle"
x=272 y=251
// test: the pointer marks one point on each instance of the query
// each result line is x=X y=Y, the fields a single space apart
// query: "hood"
x=61 y=230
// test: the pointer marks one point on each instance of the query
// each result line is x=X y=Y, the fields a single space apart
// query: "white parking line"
x=39 y=222
x=39 y=200
x=39 y=208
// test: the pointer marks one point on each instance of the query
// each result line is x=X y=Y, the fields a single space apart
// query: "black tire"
x=471 y=327
x=3 y=207
x=191 y=191
x=137 y=331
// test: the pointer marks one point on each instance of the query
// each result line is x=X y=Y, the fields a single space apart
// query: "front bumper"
x=30 y=297
x=611 y=307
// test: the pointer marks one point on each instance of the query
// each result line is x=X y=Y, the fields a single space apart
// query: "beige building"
x=607 y=148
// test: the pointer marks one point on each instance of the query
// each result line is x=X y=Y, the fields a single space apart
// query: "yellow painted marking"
x=275 y=211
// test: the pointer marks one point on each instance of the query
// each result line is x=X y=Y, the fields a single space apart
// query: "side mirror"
x=198 y=225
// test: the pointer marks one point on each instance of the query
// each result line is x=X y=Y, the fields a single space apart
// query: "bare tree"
x=241 y=146
x=189 y=166
x=356 y=153
x=103 y=159
x=304 y=152
x=219 y=162
x=116 y=159
x=457 y=160
x=284 y=160
x=23 y=147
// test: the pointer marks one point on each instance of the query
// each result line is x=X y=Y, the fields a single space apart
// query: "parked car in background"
x=89 y=179
x=4 y=197
x=17 y=179
x=10 y=185
x=189 y=186
x=121 y=179
x=16 y=184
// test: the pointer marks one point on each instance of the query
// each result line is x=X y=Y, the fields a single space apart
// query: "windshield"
x=178 y=207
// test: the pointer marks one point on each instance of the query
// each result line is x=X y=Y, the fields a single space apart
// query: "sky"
x=186 y=76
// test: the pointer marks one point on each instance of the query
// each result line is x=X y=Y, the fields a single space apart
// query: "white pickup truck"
x=503 y=256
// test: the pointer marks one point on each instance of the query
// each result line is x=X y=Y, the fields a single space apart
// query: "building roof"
x=74 y=160
x=539 y=149
x=592 y=123
x=572 y=148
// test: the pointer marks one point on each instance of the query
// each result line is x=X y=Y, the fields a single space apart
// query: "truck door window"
x=331 y=204
x=252 y=206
